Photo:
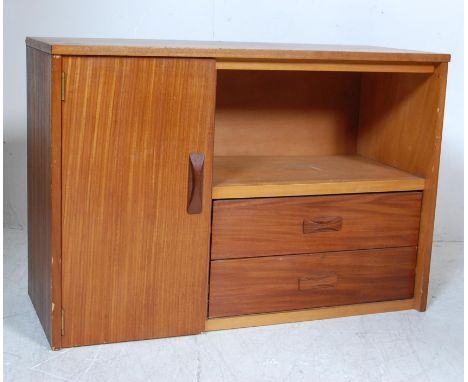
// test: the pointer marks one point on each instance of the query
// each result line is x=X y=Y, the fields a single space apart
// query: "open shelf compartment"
x=293 y=133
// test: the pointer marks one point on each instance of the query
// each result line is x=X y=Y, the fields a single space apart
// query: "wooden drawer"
x=294 y=225
x=279 y=283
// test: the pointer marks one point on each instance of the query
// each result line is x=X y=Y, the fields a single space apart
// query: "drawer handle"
x=195 y=183
x=322 y=224
x=322 y=280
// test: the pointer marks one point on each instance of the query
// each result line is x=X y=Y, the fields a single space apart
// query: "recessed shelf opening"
x=284 y=133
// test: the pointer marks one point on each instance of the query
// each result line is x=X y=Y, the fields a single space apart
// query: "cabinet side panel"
x=43 y=164
x=401 y=125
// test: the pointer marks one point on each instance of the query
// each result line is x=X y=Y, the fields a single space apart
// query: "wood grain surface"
x=135 y=263
x=401 y=125
x=44 y=189
x=218 y=49
x=274 y=226
x=265 y=113
x=267 y=176
x=273 y=284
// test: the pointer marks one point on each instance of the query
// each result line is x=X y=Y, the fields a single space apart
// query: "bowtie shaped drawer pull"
x=322 y=224
x=319 y=280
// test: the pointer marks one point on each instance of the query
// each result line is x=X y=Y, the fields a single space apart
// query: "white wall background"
x=431 y=25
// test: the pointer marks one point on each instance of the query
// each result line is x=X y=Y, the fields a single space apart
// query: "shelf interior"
x=293 y=133
x=269 y=176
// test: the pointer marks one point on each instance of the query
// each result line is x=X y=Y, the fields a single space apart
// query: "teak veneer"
x=293 y=225
x=127 y=124
x=282 y=283
x=181 y=186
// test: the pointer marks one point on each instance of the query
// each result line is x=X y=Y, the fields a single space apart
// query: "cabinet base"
x=307 y=315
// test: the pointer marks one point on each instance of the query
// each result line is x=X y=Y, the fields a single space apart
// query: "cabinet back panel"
x=286 y=113
x=135 y=263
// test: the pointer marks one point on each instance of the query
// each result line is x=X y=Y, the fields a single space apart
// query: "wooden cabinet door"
x=134 y=261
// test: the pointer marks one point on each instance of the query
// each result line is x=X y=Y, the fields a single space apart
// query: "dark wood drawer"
x=279 y=283
x=294 y=225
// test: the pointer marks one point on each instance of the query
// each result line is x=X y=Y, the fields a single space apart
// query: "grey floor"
x=402 y=346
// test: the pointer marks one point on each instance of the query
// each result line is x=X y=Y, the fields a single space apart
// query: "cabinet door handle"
x=322 y=224
x=195 y=183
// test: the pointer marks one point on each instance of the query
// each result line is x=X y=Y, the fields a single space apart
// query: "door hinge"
x=63 y=87
x=62 y=324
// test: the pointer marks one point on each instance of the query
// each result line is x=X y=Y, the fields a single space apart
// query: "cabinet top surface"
x=227 y=50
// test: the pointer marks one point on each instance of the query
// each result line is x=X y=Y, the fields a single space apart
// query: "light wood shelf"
x=267 y=176
x=326 y=67
x=275 y=318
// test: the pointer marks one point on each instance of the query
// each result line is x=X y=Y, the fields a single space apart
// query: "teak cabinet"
x=176 y=187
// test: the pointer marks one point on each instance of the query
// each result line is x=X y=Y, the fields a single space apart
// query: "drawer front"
x=279 y=283
x=295 y=225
